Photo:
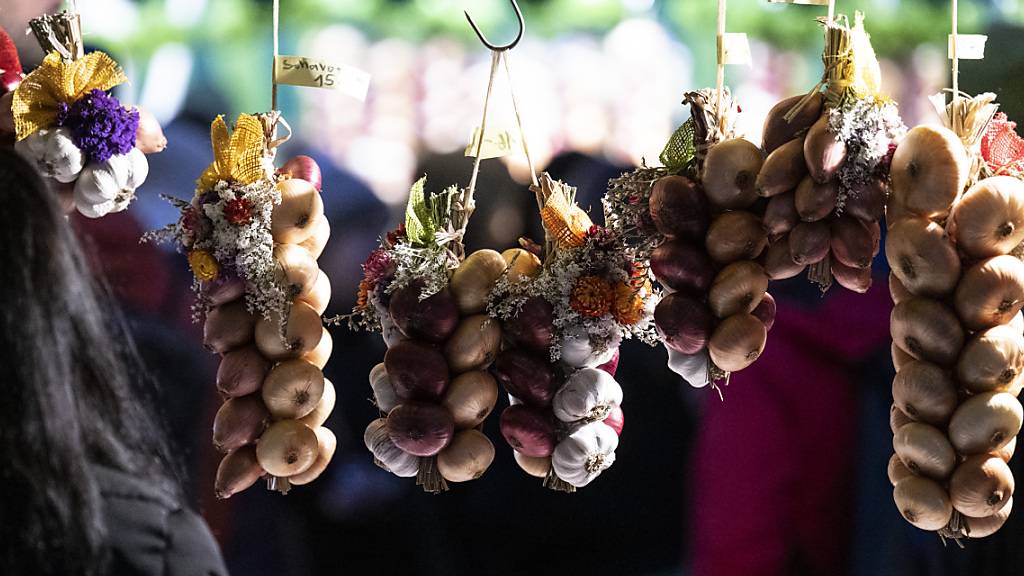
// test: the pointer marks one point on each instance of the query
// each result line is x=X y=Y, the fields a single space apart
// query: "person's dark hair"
x=70 y=385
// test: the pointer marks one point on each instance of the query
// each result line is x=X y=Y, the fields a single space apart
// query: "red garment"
x=774 y=461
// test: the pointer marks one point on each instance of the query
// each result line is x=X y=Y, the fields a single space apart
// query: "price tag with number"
x=495 y=145
x=302 y=71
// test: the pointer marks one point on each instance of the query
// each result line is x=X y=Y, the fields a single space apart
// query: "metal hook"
x=509 y=46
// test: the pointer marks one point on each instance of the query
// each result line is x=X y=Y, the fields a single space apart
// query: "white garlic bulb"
x=586 y=453
x=53 y=153
x=110 y=186
x=397 y=461
x=588 y=393
x=383 y=391
x=388 y=330
x=692 y=367
x=578 y=352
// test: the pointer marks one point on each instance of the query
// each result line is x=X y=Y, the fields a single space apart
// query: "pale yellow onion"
x=989 y=219
x=929 y=170
x=303 y=331
x=317 y=241
x=981 y=485
x=924 y=449
x=982 y=527
x=327 y=443
x=294 y=219
x=472 y=281
x=992 y=360
x=737 y=342
x=739 y=287
x=991 y=292
x=320 y=355
x=897 y=291
x=927 y=330
x=922 y=257
x=538 y=467
x=923 y=502
x=319 y=296
x=1006 y=452
x=287 y=448
x=474 y=344
x=296 y=268
x=896 y=470
x=324 y=407
x=925 y=392
x=729 y=173
x=293 y=389
x=1017 y=323
x=897 y=419
x=467 y=457
x=470 y=397
x=521 y=264
x=985 y=422
x=899 y=357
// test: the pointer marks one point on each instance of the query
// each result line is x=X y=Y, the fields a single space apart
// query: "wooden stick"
x=955 y=119
x=720 y=78
x=831 y=11
x=277 y=51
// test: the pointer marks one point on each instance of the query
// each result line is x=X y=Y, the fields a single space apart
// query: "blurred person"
x=88 y=474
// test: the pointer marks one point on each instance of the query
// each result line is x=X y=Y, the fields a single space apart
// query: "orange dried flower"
x=363 y=295
x=628 y=308
x=591 y=296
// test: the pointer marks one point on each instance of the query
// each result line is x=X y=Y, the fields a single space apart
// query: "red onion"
x=224 y=289
x=526 y=376
x=305 y=168
x=239 y=421
x=419 y=428
x=533 y=327
x=780 y=216
x=809 y=242
x=433 y=318
x=778 y=261
x=612 y=365
x=679 y=208
x=615 y=420
x=242 y=371
x=867 y=201
x=228 y=327
x=530 y=431
x=852 y=242
x=765 y=311
x=682 y=266
x=683 y=323
x=418 y=371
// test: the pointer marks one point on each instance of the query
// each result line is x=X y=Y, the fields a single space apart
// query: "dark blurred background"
x=786 y=476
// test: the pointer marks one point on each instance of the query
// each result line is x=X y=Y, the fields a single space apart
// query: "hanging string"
x=277 y=52
x=467 y=199
x=720 y=78
x=519 y=121
x=954 y=48
x=831 y=11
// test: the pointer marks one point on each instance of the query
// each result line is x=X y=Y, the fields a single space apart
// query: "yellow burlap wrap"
x=238 y=155
x=566 y=223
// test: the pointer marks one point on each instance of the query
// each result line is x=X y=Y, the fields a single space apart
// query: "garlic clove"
x=90 y=210
x=692 y=367
x=138 y=169
x=63 y=157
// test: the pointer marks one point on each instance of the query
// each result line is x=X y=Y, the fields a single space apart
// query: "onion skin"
x=323 y=408
x=287 y=448
x=780 y=216
x=384 y=395
x=474 y=278
x=683 y=267
x=730 y=170
x=526 y=376
x=317 y=241
x=615 y=420
x=678 y=208
x=521 y=264
x=737 y=342
x=927 y=330
x=468 y=456
x=228 y=327
x=237 y=471
x=925 y=392
x=417 y=371
x=853 y=242
x=982 y=527
x=981 y=486
x=823 y=151
x=765 y=311
x=989 y=219
x=1006 y=452
x=611 y=366
x=293 y=389
x=241 y=372
x=897 y=471
x=238 y=422
x=296 y=269
x=897 y=419
x=985 y=423
x=294 y=218
x=536 y=467
x=778 y=130
x=226 y=288
x=856 y=279
x=386 y=454
x=897 y=291
x=683 y=323
x=809 y=242
x=991 y=292
x=737 y=235
x=419 y=428
x=533 y=327
x=783 y=169
x=867 y=201
x=319 y=296
x=778 y=260
x=991 y=360
x=922 y=257
x=739 y=287
x=327 y=443
x=899 y=357
x=693 y=368
x=529 y=431
x=303 y=168
x=149 y=136
x=302 y=333
x=924 y=449
x=470 y=398
x=923 y=503
x=432 y=319
x=320 y=355
x=813 y=200
x=929 y=170
x=474 y=344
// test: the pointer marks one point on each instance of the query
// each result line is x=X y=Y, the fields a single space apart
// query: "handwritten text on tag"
x=495 y=145
x=302 y=71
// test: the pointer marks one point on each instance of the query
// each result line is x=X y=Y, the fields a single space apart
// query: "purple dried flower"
x=99 y=125
x=376 y=267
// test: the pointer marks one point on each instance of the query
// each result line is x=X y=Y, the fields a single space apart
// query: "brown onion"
x=780 y=216
x=320 y=355
x=730 y=169
x=287 y=448
x=814 y=201
x=736 y=235
x=526 y=376
x=897 y=291
x=739 y=287
x=927 y=330
x=327 y=443
x=237 y=471
x=679 y=208
x=538 y=467
x=924 y=449
x=238 y=422
x=300 y=207
x=317 y=241
x=417 y=371
x=302 y=333
x=929 y=170
x=432 y=319
x=319 y=296
x=1006 y=452
x=241 y=372
x=778 y=261
x=853 y=242
x=897 y=471
x=474 y=344
x=470 y=398
x=765 y=311
x=682 y=266
x=809 y=242
x=467 y=457
x=922 y=257
x=529 y=430
x=778 y=130
x=981 y=486
x=897 y=419
x=925 y=392
x=228 y=327
x=855 y=279
x=737 y=342
x=866 y=202
x=419 y=428
x=899 y=357
x=472 y=281
x=296 y=269
x=991 y=292
x=923 y=502
x=323 y=408
x=982 y=527
x=783 y=169
x=293 y=389
x=683 y=323
x=989 y=219
x=533 y=327
x=824 y=151
x=991 y=360
x=985 y=422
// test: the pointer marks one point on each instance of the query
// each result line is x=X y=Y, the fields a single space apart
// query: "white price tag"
x=735 y=49
x=302 y=71
x=968 y=46
x=495 y=145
